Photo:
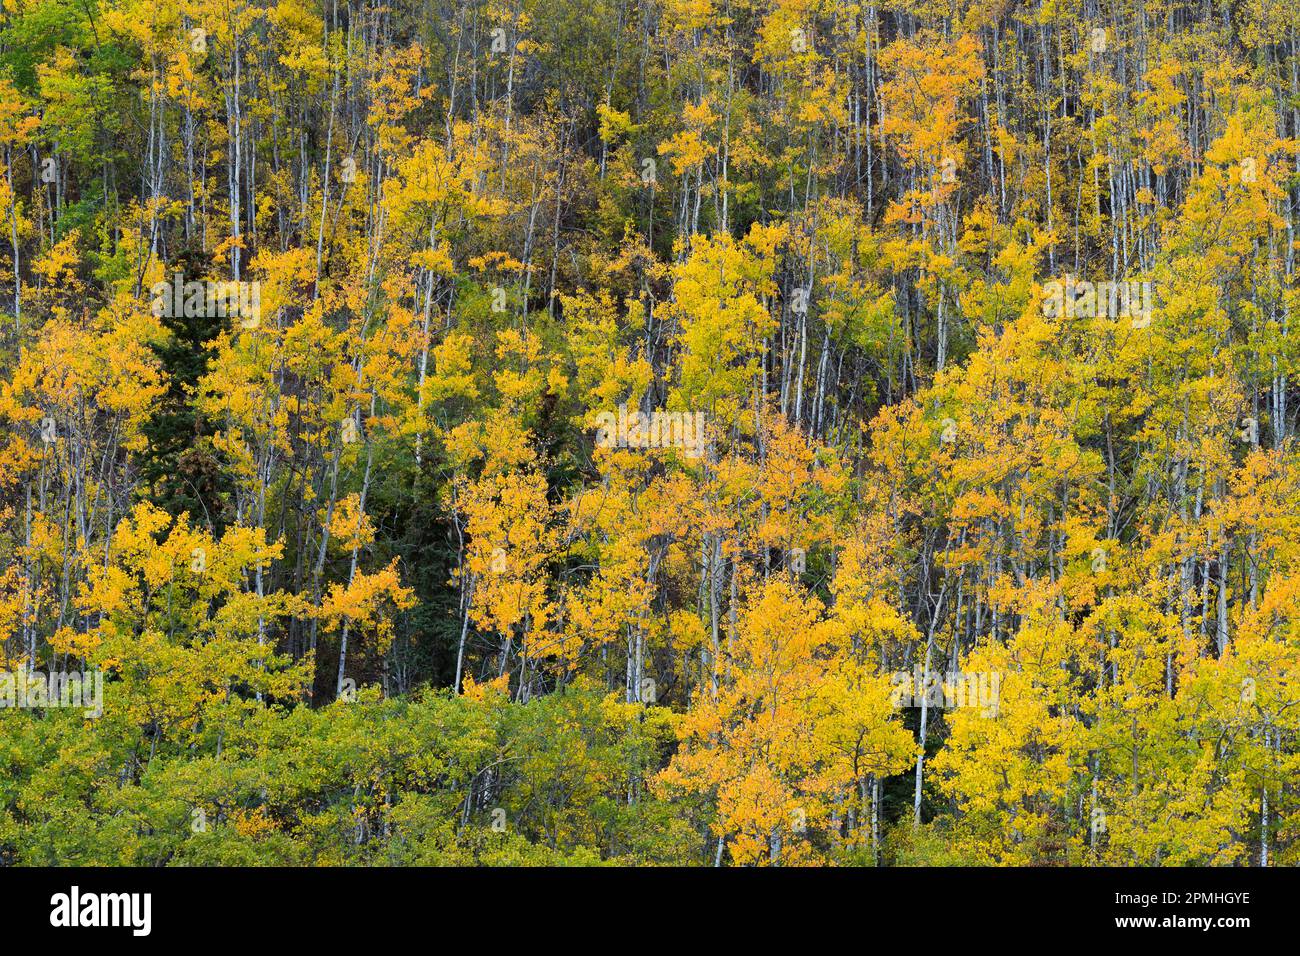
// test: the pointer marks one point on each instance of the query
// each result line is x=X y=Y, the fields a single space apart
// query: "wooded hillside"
x=650 y=431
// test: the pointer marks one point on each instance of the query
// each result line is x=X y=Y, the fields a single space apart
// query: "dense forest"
x=649 y=432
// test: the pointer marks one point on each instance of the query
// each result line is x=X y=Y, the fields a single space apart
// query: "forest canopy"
x=649 y=432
